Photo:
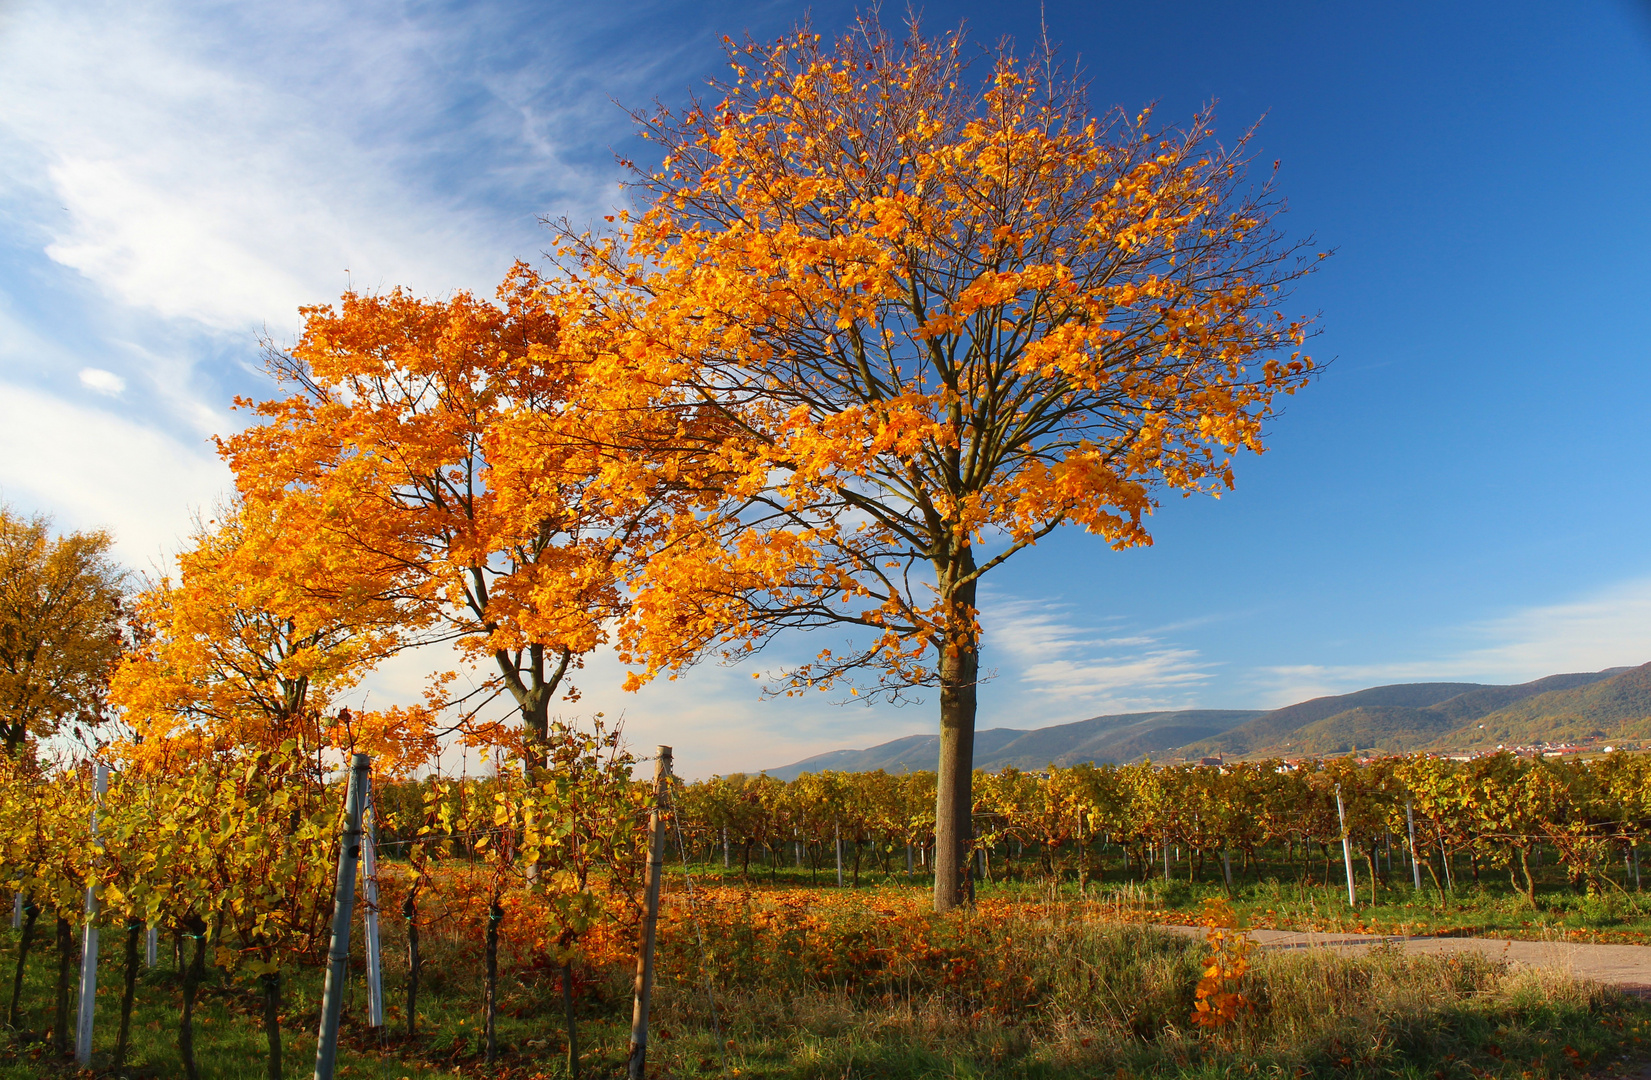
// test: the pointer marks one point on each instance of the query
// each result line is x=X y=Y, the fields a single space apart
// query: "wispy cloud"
x=1089 y=669
x=181 y=176
x=191 y=180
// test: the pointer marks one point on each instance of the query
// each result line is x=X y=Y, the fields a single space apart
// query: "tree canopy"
x=60 y=628
x=937 y=317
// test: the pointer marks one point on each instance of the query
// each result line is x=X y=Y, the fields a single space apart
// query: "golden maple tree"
x=935 y=318
x=250 y=646
x=431 y=438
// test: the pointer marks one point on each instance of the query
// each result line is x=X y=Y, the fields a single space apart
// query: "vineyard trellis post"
x=151 y=945
x=837 y=834
x=1410 y=823
x=88 y=947
x=338 y=953
x=17 y=911
x=636 y=1066
x=369 y=868
x=1346 y=850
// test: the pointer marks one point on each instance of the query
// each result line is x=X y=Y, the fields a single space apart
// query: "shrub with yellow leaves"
x=1218 y=1001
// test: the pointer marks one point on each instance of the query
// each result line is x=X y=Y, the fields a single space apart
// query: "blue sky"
x=1463 y=494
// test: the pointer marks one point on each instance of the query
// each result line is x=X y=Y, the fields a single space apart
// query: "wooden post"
x=837 y=834
x=88 y=945
x=338 y=954
x=1415 y=867
x=369 y=866
x=636 y=1067
x=1346 y=850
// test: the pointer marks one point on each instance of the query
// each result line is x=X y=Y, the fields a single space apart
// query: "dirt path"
x=1626 y=967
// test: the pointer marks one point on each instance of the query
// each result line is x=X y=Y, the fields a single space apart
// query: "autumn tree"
x=430 y=437
x=60 y=631
x=241 y=650
x=938 y=316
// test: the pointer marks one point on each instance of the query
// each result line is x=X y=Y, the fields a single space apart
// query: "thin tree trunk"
x=573 y=1030
x=409 y=910
x=1530 y=882
x=272 y=1021
x=954 y=794
x=65 y=965
x=495 y=915
x=192 y=977
x=31 y=913
x=128 y=991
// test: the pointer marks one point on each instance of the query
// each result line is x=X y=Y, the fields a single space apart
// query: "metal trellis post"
x=1415 y=867
x=1346 y=850
x=88 y=947
x=338 y=954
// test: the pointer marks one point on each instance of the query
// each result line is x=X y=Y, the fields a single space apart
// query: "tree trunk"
x=495 y=915
x=192 y=977
x=65 y=965
x=409 y=911
x=31 y=912
x=128 y=991
x=573 y=1031
x=1530 y=882
x=954 y=794
x=1433 y=872
x=533 y=693
x=272 y=1021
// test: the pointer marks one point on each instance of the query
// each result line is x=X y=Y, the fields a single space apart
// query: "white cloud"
x=93 y=469
x=194 y=190
x=1087 y=670
x=104 y=382
x=191 y=174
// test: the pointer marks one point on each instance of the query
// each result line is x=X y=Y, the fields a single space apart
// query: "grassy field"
x=791 y=981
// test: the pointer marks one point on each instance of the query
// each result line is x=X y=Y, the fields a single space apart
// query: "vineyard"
x=511 y=910
x=875 y=323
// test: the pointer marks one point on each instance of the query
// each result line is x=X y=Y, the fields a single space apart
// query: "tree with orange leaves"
x=237 y=653
x=936 y=321
x=432 y=439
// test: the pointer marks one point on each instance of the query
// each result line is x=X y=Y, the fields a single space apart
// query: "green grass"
x=1047 y=996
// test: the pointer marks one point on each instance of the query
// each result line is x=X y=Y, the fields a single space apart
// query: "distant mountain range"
x=1610 y=704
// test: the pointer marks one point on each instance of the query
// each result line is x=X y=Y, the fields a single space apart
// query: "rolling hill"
x=1405 y=717
x=1615 y=704
x=1124 y=737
